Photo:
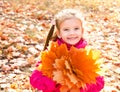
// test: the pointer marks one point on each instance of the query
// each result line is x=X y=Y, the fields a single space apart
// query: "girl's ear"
x=58 y=33
x=82 y=30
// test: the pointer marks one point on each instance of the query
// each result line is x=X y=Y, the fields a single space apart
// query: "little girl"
x=69 y=31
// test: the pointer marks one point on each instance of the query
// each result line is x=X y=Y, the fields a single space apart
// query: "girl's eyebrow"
x=65 y=27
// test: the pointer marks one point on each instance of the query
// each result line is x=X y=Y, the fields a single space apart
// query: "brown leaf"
x=4 y=37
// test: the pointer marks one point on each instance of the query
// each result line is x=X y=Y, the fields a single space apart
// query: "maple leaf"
x=72 y=68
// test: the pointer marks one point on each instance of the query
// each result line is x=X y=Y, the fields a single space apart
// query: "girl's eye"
x=66 y=29
x=76 y=28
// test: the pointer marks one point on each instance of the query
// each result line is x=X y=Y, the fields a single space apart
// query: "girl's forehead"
x=71 y=22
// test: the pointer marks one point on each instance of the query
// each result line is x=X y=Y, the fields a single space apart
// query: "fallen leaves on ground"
x=23 y=32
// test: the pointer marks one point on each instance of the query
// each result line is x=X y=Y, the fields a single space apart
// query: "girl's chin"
x=72 y=43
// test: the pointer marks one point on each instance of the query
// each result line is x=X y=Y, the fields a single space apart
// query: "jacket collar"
x=81 y=44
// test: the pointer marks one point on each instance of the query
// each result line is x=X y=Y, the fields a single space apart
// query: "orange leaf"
x=72 y=68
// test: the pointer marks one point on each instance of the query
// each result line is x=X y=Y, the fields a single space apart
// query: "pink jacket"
x=41 y=82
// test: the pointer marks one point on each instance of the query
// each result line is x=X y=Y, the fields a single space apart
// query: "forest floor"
x=23 y=29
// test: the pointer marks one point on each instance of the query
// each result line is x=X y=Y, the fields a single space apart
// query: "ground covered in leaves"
x=23 y=30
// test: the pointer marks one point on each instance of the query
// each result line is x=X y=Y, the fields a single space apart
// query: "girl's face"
x=71 y=31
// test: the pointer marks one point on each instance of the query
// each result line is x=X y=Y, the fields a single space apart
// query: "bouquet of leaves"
x=73 y=68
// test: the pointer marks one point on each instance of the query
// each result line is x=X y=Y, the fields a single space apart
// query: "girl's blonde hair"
x=60 y=17
x=68 y=14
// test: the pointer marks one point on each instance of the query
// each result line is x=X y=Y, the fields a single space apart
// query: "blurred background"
x=24 y=25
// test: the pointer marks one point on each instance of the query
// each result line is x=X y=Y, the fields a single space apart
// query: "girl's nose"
x=72 y=32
